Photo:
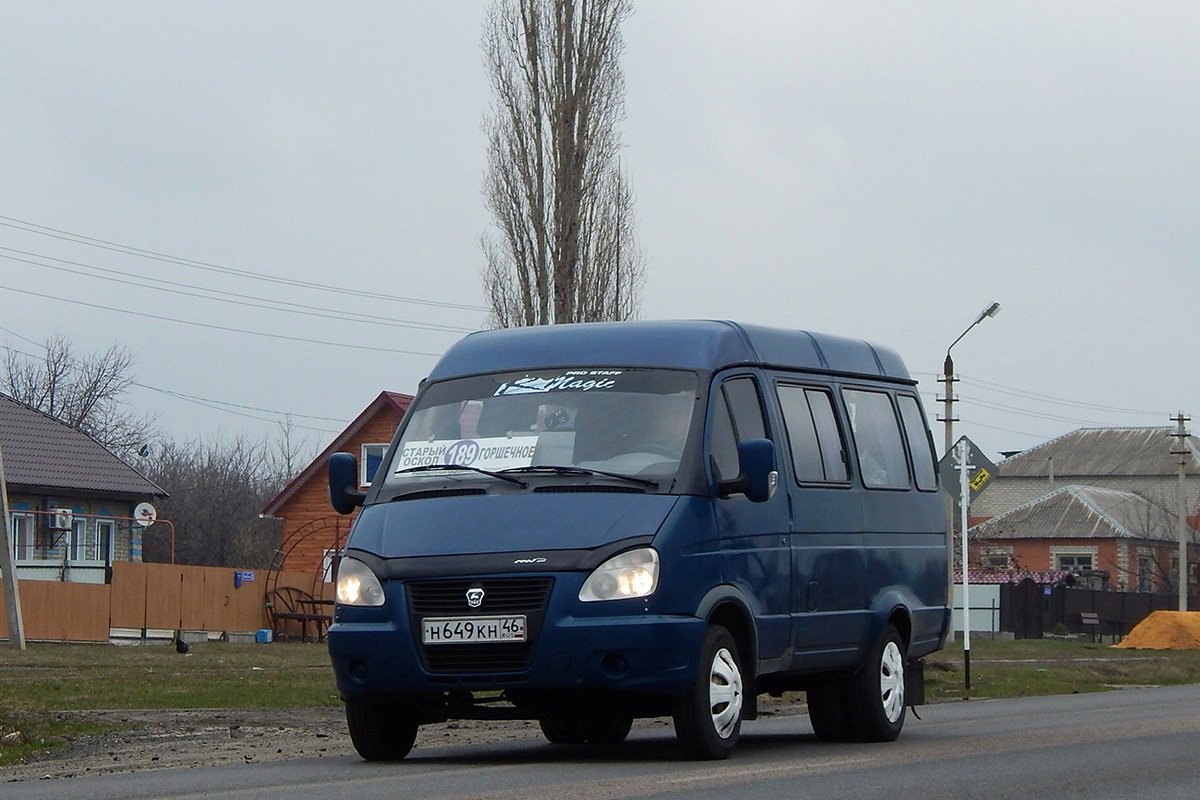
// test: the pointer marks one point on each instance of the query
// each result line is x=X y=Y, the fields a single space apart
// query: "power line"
x=211 y=326
x=1015 y=392
x=216 y=405
x=103 y=244
x=293 y=308
x=1026 y=413
x=1002 y=389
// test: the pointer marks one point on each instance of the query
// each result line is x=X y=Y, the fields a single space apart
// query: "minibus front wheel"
x=708 y=718
x=381 y=731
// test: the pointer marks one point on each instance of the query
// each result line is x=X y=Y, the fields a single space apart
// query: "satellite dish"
x=144 y=514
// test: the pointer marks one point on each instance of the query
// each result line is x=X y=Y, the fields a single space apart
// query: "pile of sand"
x=1165 y=630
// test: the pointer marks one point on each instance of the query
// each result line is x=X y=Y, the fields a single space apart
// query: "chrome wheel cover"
x=724 y=693
x=891 y=682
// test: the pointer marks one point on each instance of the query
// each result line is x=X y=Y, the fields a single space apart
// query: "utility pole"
x=12 y=598
x=949 y=379
x=1181 y=449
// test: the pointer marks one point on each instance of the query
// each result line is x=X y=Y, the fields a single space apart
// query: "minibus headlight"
x=357 y=585
x=630 y=574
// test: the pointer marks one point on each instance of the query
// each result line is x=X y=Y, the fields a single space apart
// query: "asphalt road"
x=1130 y=744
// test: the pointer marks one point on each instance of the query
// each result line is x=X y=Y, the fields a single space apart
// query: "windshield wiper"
x=561 y=470
x=488 y=472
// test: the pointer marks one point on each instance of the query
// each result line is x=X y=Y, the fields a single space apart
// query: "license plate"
x=461 y=630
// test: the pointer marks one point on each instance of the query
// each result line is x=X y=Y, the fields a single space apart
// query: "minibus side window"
x=918 y=442
x=816 y=442
x=881 y=458
x=737 y=417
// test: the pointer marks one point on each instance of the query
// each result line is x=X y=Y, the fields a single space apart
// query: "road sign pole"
x=964 y=478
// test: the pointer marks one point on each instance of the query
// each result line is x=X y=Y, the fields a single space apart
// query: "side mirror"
x=343 y=483
x=759 y=476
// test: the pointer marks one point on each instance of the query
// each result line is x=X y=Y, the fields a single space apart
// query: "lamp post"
x=948 y=417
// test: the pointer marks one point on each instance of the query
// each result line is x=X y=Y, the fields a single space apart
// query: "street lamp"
x=948 y=373
x=948 y=417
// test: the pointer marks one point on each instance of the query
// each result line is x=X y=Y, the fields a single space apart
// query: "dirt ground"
x=149 y=740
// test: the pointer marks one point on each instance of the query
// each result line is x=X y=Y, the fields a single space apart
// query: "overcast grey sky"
x=876 y=170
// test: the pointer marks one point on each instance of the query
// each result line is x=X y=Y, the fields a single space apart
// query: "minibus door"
x=755 y=555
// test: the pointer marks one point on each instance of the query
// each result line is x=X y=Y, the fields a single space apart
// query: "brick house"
x=312 y=531
x=1097 y=500
x=71 y=501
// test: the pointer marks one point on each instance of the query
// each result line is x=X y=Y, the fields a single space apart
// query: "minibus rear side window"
x=918 y=442
x=881 y=458
x=818 y=453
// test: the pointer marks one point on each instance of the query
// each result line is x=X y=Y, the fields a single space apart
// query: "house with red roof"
x=313 y=533
x=1100 y=503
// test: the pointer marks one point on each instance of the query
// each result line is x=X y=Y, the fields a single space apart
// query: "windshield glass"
x=622 y=421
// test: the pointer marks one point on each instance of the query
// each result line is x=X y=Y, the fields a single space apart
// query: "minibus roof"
x=708 y=345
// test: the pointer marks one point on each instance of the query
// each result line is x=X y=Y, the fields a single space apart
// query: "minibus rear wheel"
x=876 y=691
x=380 y=731
x=708 y=718
x=828 y=710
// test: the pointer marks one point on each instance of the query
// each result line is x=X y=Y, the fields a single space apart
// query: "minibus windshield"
x=625 y=422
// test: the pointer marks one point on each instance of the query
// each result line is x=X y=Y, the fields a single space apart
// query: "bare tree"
x=217 y=489
x=566 y=250
x=84 y=391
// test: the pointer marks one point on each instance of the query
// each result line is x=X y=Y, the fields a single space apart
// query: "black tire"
x=601 y=730
x=828 y=711
x=876 y=692
x=708 y=718
x=607 y=730
x=380 y=731
x=558 y=730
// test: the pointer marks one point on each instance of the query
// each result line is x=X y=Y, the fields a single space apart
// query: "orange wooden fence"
x=150 y=597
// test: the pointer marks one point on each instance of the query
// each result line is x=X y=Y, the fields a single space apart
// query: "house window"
x=372 y=457
x=1174 y=571
x=1076 y=562
x=997 y=561
x=22 y=529
x=1145 y=574
x=102 y=545
x=329 y=565
x=77 y=544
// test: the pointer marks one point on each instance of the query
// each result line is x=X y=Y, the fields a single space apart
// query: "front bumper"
x=614 y=646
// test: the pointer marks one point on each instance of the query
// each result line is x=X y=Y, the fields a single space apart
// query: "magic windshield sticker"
x=577 y=380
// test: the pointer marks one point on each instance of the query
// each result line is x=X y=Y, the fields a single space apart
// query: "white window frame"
x=106 y=554
x=1145 y=577
x=1005 y=553
x=27 y=535
x=327 y=560
x=363 y=480
x=96 y=553
x=1074 y=552
x=77 y=540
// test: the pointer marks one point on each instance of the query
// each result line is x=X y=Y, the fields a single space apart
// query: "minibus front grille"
x=438 y=598
x=500 y=595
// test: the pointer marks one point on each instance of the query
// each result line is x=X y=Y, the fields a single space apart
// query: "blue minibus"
x=589 y=524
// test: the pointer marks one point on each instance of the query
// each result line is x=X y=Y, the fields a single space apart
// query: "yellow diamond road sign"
x=981 y=470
